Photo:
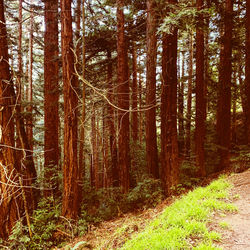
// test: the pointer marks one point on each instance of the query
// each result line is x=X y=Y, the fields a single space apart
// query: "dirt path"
x=237 y=236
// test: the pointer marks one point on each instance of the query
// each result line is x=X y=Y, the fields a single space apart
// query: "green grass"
x=224 y=225
x=183 y=225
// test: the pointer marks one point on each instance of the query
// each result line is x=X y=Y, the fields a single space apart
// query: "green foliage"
x=138 y=162
x=105 y=204
x=183 y=224
x=48 y=227
x=43 y=225
x=147 y=193
x=242 y=159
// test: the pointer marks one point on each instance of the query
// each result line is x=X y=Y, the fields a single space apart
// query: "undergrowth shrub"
x=147 y=193
x=48 y=228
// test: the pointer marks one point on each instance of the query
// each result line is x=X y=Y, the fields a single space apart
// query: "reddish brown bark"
x=181 y=107
x=10 y=202
x=20 y=60
x=83 y=115
x=71 y=199
x=234 y=108
x=8 y=207
x=30 y=86
x=169 y=143
x=151 y=136
x=247 y=70
x=19 y=85
x=200 y=95
x=51 y=93
x=224 y=95
x=134 y=96
x=123 y=100
x=106 y=180
x=189 y=97
x=95 y=160
x=111 y=125
x=140 y=107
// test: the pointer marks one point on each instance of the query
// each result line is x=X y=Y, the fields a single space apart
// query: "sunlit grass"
x=183 y=225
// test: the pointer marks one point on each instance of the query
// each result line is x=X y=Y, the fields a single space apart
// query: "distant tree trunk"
x=19 y=85
x=105 y=150
x=30 y=88
x=140 y=107
x=189 y=96
x=200 y=97
x=51 y=94
x=224 y=95
x=169 y=142
x=243 y=100
x=123 y=100
x=134 y=96
x=181 y=107
x=10 y=202
x=20 y=60
x=247 y=70
x=83 y=116
x=95 y=161
x=71 y=200
x=151 y=136
x=234 y=106
x=111 y=125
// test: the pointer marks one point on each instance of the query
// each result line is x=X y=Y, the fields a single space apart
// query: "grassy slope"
x=183 y=225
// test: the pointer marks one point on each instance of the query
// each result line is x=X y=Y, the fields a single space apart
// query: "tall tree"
x=51 y=91
x=111 y=124
x=123 y=100
x=134 y=96
x=8 y=207
x=83 y=115
x=151 y=136
x=200 y=94
x=247 y=70
x=169 y=143
x=71 y=199
x=189 y=97
x=181 y=106
x=11 y=206
x=224 y=94
x=30 y=79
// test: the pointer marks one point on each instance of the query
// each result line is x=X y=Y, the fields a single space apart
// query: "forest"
x=110 y=106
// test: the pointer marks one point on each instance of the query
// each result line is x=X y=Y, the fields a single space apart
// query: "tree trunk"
x=51 y=95
x=71 y=199
x=181 y=107
x=19 y=85
x=151 y=136
x=134 y=96
x=8 y=200
x=224 y=95
x=123 y=100
x=30 y=88
x=140 y=90
x=200 y=97
x=189 y=97
x=105 y=150
x=169 y=142
x=83 y=116
x=111 y=125
x=247 y=70
x=11 y=206
x=95 y=149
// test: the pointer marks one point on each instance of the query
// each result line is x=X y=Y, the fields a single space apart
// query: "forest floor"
x=234 y=227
